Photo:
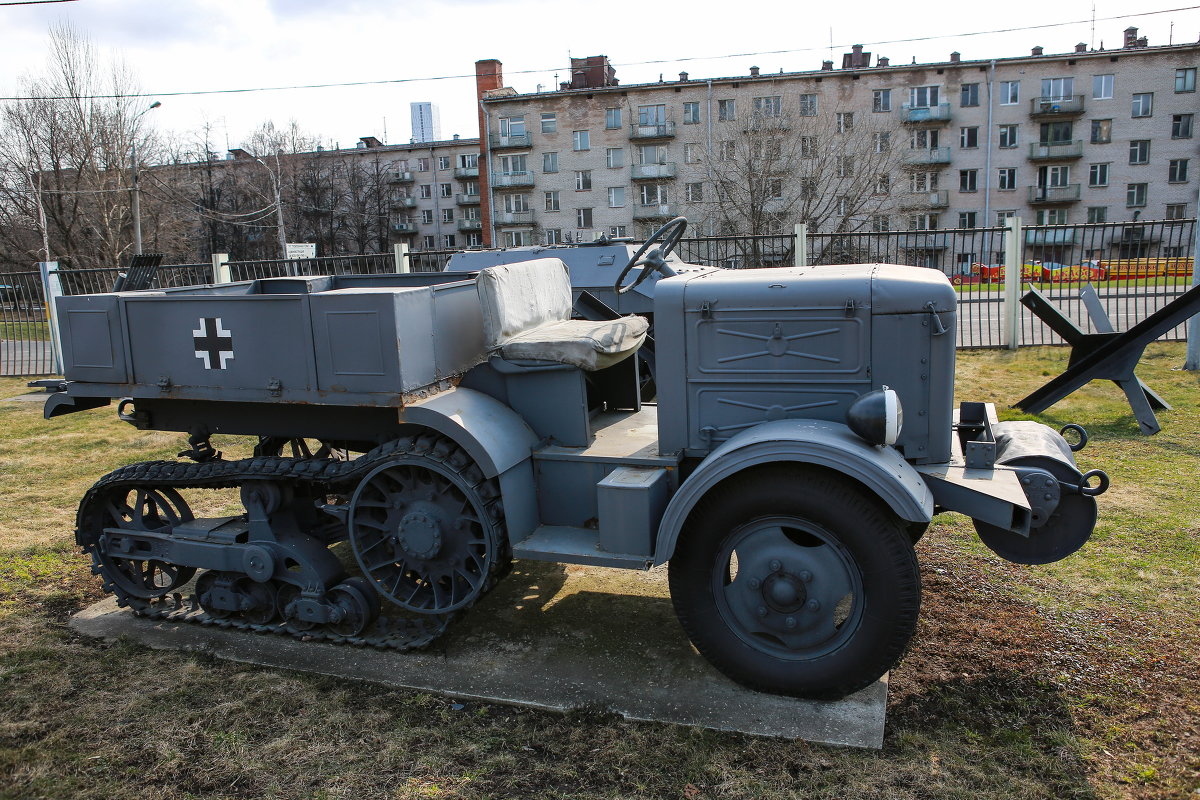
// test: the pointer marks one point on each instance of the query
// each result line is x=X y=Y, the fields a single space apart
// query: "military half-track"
x=431 y=428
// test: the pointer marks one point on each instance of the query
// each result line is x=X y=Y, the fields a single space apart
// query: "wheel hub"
x=784 y=592
x=419 y=535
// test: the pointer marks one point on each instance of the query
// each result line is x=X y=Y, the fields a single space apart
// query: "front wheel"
x=794 y=580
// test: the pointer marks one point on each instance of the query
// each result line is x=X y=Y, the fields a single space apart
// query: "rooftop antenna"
x=1092 y=35
x=831 y=42
x=385 y=130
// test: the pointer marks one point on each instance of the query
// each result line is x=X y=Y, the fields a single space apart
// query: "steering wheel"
x=669 y=236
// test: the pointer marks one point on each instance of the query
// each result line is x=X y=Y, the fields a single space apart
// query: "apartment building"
x=1083 y=136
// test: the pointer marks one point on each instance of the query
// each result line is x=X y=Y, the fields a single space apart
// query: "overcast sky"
x=189 y=45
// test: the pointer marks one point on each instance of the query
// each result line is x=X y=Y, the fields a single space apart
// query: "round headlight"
x=877 y=416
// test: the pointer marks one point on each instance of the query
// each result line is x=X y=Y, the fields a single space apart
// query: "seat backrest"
x=519 y=297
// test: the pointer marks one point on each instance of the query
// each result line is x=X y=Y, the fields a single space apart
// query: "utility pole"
x=137 y=192
x=278 y=202
x=1192 y=360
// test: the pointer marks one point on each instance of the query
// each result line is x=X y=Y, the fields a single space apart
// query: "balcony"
x=404 y=202
x=657 y=211
x=403 y=227
x=657 y=130
x=511 y=180
x=1049 y=237
x=466 y=199
x=1050 y=195
x=1056 y=151
x=400 y=176
x=917 y=115
x=1050 y=107
x=468 y=225
x=509 y=142
x=651 y=172
x=508 y=218
x=927 y=157
x=466 y=172
x=939 y=198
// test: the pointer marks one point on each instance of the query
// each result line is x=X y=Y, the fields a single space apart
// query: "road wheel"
x=795 y=580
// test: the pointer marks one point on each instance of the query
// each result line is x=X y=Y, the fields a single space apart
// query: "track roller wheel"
x=359 y=604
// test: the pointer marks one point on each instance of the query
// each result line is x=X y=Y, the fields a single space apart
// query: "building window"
x=808 y=105
x=923 y=96
x=652 y=116
x=515 y=238
x=443 y=162
x=880 y=223
x=1098 y=175
x=1101 y=131
x=474 y=240
x=554 y=235
x=616 y=196
x=881 y=100
x=1102 y=87
x=448 y=241
x=923 y=182
x=427 y=216
x=512 y=126
x=923 y=139
x=1051 y=216
x=883 y=184
x=1143 y=104
x=1176 y=211
x=616 y=232
x=615 y=157
x=1135 y=195
x=844 y=166
x=1008 y=178
x=883 y=142
x=516 y=203
x=513 y=165
x=446 y=189
x=447 y=215
x=549 y=162
x=768 y=106
x=549 y=122
x=652 y=194
x=845 y=121
x=1097 y=214
x=726 y=110
x=1008 y=136
x=1055 y=133
x=1177 y=170
x=970 y=97
x=968 y=180
x=612 y=120
x=468 y=161
x=691 y=113
x=471 y=188
x=691 y=153
x=583 y=218
x=425 y=191
x=1010 y=93
x=1181 y=126
x=1185 y=79
x=582 y=140
x=728 y=151
x=775 y=188
x=967 y=219
x=552 y=201
x=652 y=154
x=1057 y=88
x=923 y=222
x=429 y=241
x=1002 y=217
x=422 y=165
x=1139 y=151
x=968 y=137
x=693 y=192
x=583 y=180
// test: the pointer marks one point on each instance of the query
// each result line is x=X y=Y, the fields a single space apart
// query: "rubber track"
x=324 y=475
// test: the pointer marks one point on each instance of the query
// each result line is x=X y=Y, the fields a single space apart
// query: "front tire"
x=795 y=580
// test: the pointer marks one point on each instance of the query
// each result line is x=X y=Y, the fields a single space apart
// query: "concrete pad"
x=551 y=637
x=32 y=397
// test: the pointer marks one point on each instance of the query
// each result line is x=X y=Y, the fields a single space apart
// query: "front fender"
x=882 y=470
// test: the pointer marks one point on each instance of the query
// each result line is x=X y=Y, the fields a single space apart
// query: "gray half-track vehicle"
x=803 y=438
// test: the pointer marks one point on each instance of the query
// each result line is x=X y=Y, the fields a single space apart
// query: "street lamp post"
x=278 y=203
x=137 y=192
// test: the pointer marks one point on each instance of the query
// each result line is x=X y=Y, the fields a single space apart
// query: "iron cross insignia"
x=214 y=344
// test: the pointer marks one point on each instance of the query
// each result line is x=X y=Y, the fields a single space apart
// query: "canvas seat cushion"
x=583 y=343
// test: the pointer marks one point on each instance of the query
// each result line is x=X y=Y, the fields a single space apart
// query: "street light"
x=137 y=192
x=278 y=202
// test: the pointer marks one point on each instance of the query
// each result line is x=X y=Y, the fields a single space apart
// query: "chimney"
x=489 y=75
x=1142 y=41
x=1131 y=36
x=856 y=59
x=827 y=65
x=1081 y=47
x=884 y=61
x=754 y=72
x=955 y=57
x=683 y=77
x=593 y=72
x=1037 y=51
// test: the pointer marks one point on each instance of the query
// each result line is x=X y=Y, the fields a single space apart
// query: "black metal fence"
x=25 y=347
x=739 y=252
x=103 y=279
x=369 y=264
x=429 y=260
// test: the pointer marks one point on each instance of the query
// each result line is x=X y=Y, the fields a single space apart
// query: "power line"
x=33 y=2
x=392 y=81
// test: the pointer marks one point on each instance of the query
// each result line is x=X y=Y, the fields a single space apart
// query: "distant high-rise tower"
x=426 y=122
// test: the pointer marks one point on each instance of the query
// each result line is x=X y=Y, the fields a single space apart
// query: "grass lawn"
x=24 y=329
x=1139 y=285
x=1075 y=680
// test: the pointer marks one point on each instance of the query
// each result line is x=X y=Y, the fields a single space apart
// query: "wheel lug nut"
x=806 y=576
x=814 y=605
x=762 y=611
x=790 y=622
x=755 y=583
x=775 y=565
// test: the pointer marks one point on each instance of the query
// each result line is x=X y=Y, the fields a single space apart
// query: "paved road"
x=25 y=357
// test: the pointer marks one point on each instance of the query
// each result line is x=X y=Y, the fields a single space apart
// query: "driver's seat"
x=527 y=317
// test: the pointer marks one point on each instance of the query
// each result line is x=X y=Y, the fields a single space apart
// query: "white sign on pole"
x=301 y=250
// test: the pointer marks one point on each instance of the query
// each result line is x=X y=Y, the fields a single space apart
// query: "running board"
x=568 y=545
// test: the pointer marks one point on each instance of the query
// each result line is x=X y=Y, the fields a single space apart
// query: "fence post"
x=220 y=265
x=1192 y=361
x=1014 y=260
x=801 y=234
x=52 y=289
x=400 y=252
